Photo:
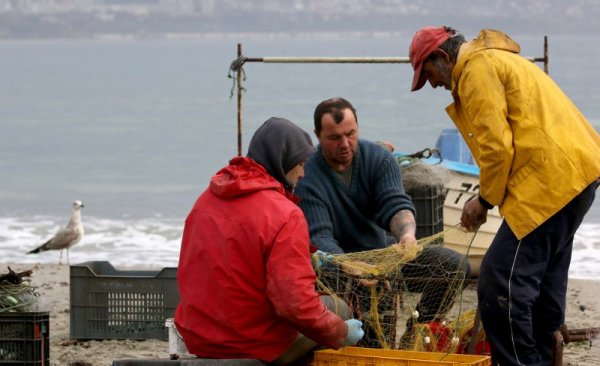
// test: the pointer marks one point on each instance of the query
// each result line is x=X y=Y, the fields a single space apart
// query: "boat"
x=461 y=185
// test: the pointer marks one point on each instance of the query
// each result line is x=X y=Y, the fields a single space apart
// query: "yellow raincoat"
x=535 y=150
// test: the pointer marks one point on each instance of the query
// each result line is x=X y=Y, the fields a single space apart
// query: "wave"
x=155 y=243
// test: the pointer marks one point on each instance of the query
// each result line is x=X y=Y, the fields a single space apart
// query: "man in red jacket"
x=246 y=281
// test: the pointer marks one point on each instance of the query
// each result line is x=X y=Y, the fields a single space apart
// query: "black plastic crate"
x=429 y=204
x=24 y=338
x=107 y=303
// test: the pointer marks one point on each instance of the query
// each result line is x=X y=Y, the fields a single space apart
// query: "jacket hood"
x=242 y=176
x=486 y=39
x=279 y=145
x=489 y=38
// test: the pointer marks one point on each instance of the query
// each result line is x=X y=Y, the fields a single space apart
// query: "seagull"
x=67 y=236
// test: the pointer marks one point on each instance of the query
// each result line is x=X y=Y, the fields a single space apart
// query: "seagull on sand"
x=67 y=236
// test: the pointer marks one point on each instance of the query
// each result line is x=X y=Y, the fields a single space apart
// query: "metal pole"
x=347 y=60
x=239 y=104
x=546 y=70
x=330 y=60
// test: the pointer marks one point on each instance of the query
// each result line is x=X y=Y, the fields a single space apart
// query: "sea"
x=136 y=128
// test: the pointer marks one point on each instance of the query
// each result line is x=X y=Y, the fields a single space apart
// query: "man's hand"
x=474 y=215
x=386 y=145
x=320 y=258
x=355 y=332
x=408 y=248
x=408 y=239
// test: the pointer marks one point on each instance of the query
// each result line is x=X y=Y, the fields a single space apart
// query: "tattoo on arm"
x=403 y=222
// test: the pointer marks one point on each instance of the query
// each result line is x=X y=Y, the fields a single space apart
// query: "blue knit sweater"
x=344 y=219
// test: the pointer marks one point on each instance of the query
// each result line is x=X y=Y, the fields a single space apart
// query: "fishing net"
x=416 y=174
x=411 y=297
x=408 y=297
x=16 y=293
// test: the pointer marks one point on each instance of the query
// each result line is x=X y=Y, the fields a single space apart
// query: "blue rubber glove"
x=355 y=332
x=321 y=258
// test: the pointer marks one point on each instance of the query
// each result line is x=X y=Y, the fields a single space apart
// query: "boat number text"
x=468 y=190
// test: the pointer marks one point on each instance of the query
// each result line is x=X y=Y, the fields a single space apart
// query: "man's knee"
x=337 y=305
x=453 y=261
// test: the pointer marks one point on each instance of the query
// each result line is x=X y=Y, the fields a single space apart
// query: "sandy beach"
x=52 y=282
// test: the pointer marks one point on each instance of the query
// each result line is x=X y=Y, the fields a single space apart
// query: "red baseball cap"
x=424 y=42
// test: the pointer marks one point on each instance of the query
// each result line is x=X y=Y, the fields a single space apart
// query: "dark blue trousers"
x=522 y=286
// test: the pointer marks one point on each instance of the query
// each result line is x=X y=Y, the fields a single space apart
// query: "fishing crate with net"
x=424 y=184
x=24 y=329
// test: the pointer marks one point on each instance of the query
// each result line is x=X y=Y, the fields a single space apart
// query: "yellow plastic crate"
x=356 y=356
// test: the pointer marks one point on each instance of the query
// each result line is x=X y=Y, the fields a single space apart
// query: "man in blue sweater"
x=353 y=199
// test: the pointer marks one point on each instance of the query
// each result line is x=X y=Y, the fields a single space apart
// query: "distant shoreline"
x=217 y=36
x=254 y=35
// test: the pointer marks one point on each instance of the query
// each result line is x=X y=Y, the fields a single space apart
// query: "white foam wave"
x=155 y=243
x=586 y=252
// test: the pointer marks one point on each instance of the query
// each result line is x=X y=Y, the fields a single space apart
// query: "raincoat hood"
x=242 y=176
x=486 y=39
x=279 y=145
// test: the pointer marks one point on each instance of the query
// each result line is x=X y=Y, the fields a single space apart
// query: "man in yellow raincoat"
x=539 y=161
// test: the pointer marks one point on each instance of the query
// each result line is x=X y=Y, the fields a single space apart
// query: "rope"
x=17 y=297
x=426 y=153
x=236 y=67
x=457 y=329
x=374 y=314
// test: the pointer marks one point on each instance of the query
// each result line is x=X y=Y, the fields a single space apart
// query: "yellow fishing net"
x=408 y=297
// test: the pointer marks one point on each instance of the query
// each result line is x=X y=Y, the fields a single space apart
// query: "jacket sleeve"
x=291 y=286
x=388 y=191
x=481 y=91
x=318 y=217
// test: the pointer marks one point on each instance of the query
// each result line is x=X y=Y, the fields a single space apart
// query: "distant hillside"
x=159 y=18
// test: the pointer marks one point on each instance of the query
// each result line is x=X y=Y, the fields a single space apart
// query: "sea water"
x=135 y=129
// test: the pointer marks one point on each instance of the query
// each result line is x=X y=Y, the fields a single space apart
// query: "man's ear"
x=441 y=54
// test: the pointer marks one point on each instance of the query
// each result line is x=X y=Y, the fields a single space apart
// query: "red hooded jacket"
x=246 y=282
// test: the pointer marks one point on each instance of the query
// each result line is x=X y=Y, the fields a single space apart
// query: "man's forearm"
x=403 y=223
